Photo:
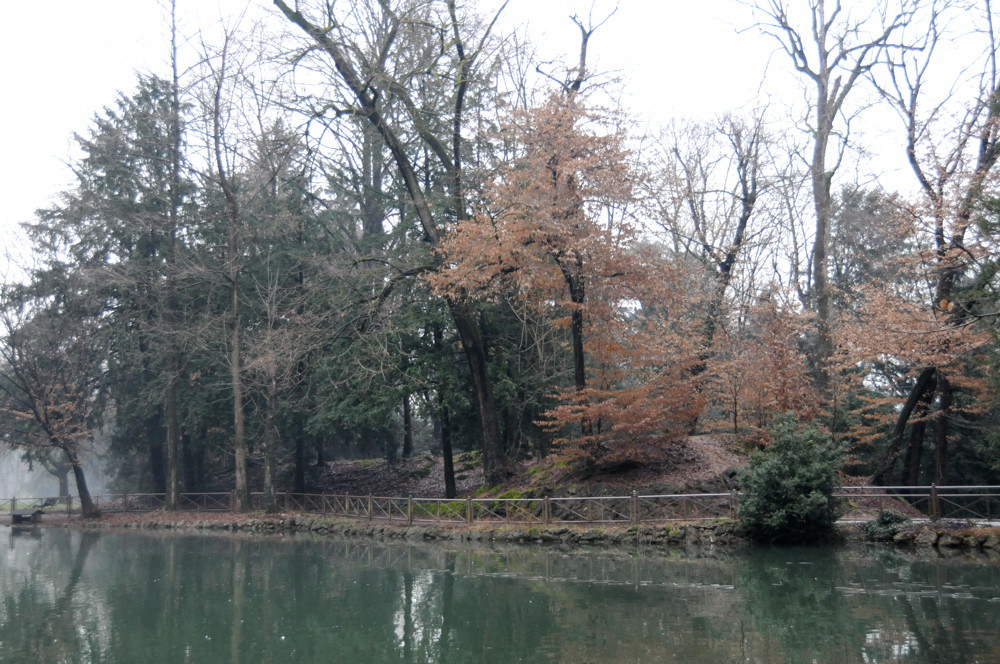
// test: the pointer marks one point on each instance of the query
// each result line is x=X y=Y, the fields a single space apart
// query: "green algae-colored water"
x=128 y=597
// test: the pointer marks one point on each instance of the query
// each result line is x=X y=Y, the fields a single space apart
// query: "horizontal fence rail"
x=976 y=503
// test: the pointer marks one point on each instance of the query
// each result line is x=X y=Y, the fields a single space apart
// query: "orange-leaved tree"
x=555 y=236
x=902 y=349
x=758 y=369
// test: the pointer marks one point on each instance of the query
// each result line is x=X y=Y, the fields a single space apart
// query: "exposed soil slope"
x=701 y=463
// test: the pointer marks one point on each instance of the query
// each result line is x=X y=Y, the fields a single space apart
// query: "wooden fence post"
x=935 y=505
x=370 y=510
x=546 y=511
x=409 y=510
x=635 y=507
x=468 y=510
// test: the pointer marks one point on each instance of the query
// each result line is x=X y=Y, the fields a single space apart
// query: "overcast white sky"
x=63 y=60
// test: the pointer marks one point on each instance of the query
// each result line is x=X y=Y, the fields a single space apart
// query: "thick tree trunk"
x=60 y=470
x=193 y=462
x=63 y=478
x=494 y=456
x=87 y=506
x=447 y=454
x=914 y=456
x=242 y=488
x=922 y=390
x=946 y=392
x=578 y=297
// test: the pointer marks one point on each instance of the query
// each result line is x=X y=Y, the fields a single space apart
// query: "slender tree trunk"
x=833 y=51
x=300 y=462
x=240 y=445
x=823 y=206
x=157 y=469
x=444 y=421
x=450 y=490
x=407 y=428
x=173 y=479
x=170 y=402
x=271 y=436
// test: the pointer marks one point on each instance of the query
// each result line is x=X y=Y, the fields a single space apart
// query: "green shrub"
x=788 y=487
x=885 y=526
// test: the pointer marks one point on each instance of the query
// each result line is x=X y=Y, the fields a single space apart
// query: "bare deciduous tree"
x=832 y=47
x=953 y=148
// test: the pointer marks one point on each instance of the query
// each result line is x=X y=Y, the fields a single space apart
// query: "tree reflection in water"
x=127 y=597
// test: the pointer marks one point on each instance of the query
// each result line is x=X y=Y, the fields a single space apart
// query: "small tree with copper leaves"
x=758 y=368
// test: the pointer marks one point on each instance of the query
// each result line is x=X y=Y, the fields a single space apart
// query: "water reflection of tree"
x=792 y=604
x=880 y=607
x=936 y=615
x=222 y=599
x=49 y=622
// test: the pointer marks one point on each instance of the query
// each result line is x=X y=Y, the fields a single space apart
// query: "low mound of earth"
x=420 y=476
x=701 y=464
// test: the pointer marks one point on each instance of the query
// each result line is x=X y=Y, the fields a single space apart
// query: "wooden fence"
x=952 y=502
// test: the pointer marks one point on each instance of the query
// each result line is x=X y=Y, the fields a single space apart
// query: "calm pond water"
x=128 y=598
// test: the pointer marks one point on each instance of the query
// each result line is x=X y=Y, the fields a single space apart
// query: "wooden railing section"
x=976 y=503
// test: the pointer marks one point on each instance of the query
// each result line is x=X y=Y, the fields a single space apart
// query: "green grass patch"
x=450 y=510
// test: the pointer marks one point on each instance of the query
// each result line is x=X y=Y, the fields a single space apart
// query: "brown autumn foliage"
x=893 y=336
x=642 y=394
x=554 y=237
x=898 y=334
x=758 y=369
x=549 y=217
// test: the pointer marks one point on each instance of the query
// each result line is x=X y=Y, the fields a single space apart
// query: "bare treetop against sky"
x=61 y=68
x=676 y=59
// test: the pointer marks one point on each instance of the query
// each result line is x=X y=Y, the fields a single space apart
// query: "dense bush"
x=788 y=487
